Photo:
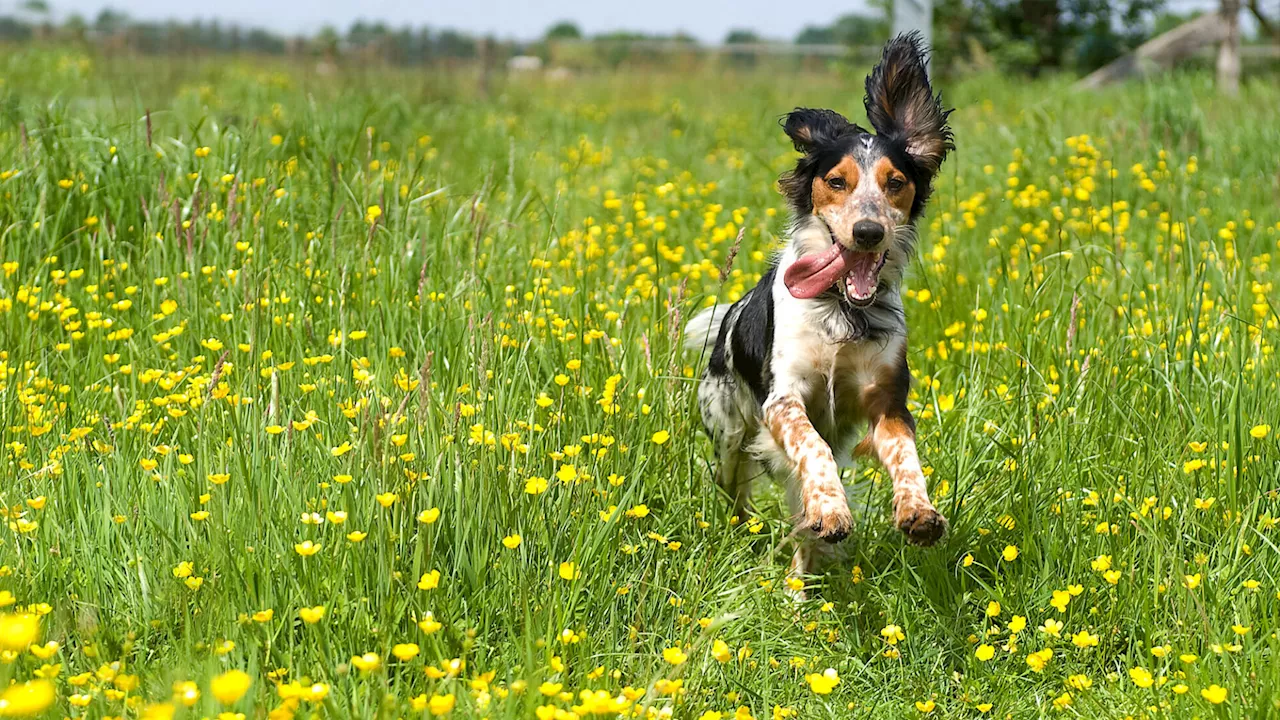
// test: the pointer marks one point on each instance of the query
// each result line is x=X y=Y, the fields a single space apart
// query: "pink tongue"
x=810 y=275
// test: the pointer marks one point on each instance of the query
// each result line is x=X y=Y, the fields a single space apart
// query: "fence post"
x=916 y=15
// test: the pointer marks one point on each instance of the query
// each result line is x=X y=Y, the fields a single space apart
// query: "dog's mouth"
x=857 y=273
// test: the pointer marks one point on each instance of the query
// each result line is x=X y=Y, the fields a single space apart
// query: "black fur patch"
x=753 y=336
x=719 y=364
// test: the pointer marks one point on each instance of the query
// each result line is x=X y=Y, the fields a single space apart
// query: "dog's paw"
x=921 y=523
x=828 y=516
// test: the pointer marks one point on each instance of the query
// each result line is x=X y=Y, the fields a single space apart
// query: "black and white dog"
x=819 y=345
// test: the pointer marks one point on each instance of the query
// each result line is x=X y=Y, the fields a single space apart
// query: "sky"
x=707 y=20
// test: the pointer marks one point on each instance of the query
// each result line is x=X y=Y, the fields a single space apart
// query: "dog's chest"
x=839 y=374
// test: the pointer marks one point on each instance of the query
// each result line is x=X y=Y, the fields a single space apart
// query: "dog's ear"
x=809 y=128
x=902 y=107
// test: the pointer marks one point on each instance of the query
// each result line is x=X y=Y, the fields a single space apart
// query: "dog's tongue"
x=810 y=275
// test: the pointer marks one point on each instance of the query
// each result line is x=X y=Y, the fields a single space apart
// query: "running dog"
x=818 y=347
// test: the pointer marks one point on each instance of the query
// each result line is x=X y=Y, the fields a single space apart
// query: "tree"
x=1036 y=35
x=852 y=29
x=564 y=30
x=110 y=22
x=742 y=37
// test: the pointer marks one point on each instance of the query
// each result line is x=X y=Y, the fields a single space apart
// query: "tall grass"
x=239 y=300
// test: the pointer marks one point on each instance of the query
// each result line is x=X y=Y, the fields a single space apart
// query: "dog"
x=819 y=346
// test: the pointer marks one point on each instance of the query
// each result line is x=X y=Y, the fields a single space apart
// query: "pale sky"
x=707 y=20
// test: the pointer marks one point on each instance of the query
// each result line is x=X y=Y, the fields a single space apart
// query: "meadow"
x=362 y=395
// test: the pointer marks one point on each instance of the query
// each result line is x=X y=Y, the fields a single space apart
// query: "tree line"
x=1026 y=36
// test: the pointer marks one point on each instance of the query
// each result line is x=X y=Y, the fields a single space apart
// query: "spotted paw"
x=828 y=517
x=921 y=524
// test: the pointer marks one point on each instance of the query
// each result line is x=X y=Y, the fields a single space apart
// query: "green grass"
x=1094 y=362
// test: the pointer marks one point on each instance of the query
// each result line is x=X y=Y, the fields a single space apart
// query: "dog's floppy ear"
x=809 y=128
x=902 y=107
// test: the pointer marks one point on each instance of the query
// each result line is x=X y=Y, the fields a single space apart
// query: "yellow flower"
x=219 y=478
x=386 y=499
x=356 y=536
x=892 y=634
x=1037 y=660
x=263 y=616
x=428 y=516
x=429 y=580
x=1214 y=694
x=511 y=541
x=993 y=609
x=1084 y=640
x=372 y=213
x=186 y=692
x=661 y=437
x=674 y=655
x=823 y=684
x=405 y=651
x=984 y=652
x=1017 y=624
x=720 y=651
x=535 y=485
x=1141 y=677
x=230 y=686
x=1079 y=682
x=307 y=548
x=1257 y=432
x=17 y=632
x=1191 y=582
x=367 y=662
x=428 y=624
x=926 y=707
x=440 y=704
x=1010 y=553
x=311 y=615
x=1051 y=627
x=569 y=571
x=28 y=698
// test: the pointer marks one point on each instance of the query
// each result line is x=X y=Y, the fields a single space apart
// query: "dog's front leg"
x=892 y=437
x=823 y=507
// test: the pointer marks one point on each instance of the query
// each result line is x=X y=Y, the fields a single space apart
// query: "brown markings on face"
x=894 y=184
x=833 y=188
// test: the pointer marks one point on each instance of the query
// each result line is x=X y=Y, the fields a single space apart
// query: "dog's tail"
x=701 y=332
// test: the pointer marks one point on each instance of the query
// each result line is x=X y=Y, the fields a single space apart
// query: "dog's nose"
x=868 y=233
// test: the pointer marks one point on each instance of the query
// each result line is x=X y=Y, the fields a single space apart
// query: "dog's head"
x=866 y=188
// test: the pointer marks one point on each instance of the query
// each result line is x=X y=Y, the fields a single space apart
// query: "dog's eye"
x=894 y=184
x=836 y=182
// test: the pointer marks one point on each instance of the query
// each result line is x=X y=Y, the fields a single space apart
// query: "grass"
x=245 y=307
